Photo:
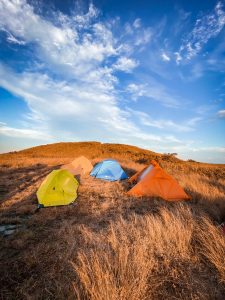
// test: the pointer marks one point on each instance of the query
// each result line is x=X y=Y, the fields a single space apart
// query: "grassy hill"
x=108 y=245
x=64 y=152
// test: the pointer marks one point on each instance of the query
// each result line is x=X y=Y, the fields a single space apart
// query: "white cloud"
x=205 y=28
x=204 y=154
x=125 y=64
x=198 y=153
x=136 y=90
x=178 y=57
x=23 y=132
x=143 y=37
x=221 y=113
x=167 y=125
x=153 y=90
x=210 y=149
x=12 y=39
x=128 y=29
x=78 y=45
x=83 y=111
x=85 y=19
x=79 y=48
x=137 y=23
x=165 y=57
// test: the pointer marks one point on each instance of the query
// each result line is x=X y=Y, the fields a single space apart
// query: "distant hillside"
x=67 y=151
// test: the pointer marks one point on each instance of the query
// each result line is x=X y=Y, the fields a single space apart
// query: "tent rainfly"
x=108 y=169
x=155 y=182
x=58 y=188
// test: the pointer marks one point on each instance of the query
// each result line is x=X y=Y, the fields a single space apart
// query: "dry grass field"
x=107 y=245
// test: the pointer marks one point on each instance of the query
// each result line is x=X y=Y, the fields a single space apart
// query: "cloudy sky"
x=147 y=73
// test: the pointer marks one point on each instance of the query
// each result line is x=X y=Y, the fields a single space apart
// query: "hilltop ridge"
x=63 y=152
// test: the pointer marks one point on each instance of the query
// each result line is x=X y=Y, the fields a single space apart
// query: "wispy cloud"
x=165 y=57
x=23 y=133
x=140 y=35
x=167 y=125
x=216 y=149
x=207 y=153
x=136 y=90
x=205 y=28
x=155 y=91
x=87 y=108
x=137 y=23
x=143 y=37
x=12 y=39
x=221 y=113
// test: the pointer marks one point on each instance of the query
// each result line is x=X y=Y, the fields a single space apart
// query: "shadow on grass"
x=16 y=180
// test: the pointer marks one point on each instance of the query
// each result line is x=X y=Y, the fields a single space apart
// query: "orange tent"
x=154 y=181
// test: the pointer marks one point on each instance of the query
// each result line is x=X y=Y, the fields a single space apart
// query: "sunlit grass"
x=108 y=245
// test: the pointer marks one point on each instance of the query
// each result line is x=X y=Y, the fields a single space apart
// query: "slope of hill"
x=108 y=245
x=63 y=152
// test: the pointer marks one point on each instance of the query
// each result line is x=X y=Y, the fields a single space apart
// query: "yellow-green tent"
x=58 y=188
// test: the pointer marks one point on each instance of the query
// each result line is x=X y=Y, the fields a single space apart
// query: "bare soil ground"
x=107 y=245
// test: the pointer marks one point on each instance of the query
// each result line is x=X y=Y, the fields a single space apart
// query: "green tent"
x=58 y=188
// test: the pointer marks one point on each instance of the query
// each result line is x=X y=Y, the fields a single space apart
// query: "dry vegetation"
x=108 y=245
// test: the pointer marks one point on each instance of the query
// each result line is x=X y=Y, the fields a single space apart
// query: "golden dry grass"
x=108 y=245
x=166 y=256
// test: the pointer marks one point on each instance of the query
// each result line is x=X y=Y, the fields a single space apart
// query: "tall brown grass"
x=166 y=256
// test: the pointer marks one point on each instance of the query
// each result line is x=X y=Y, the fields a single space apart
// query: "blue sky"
x=147 y=73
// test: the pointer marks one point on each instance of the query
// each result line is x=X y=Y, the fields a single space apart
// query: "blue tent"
x=108 y=169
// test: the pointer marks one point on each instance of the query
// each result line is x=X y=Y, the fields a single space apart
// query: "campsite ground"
x=108 y=245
